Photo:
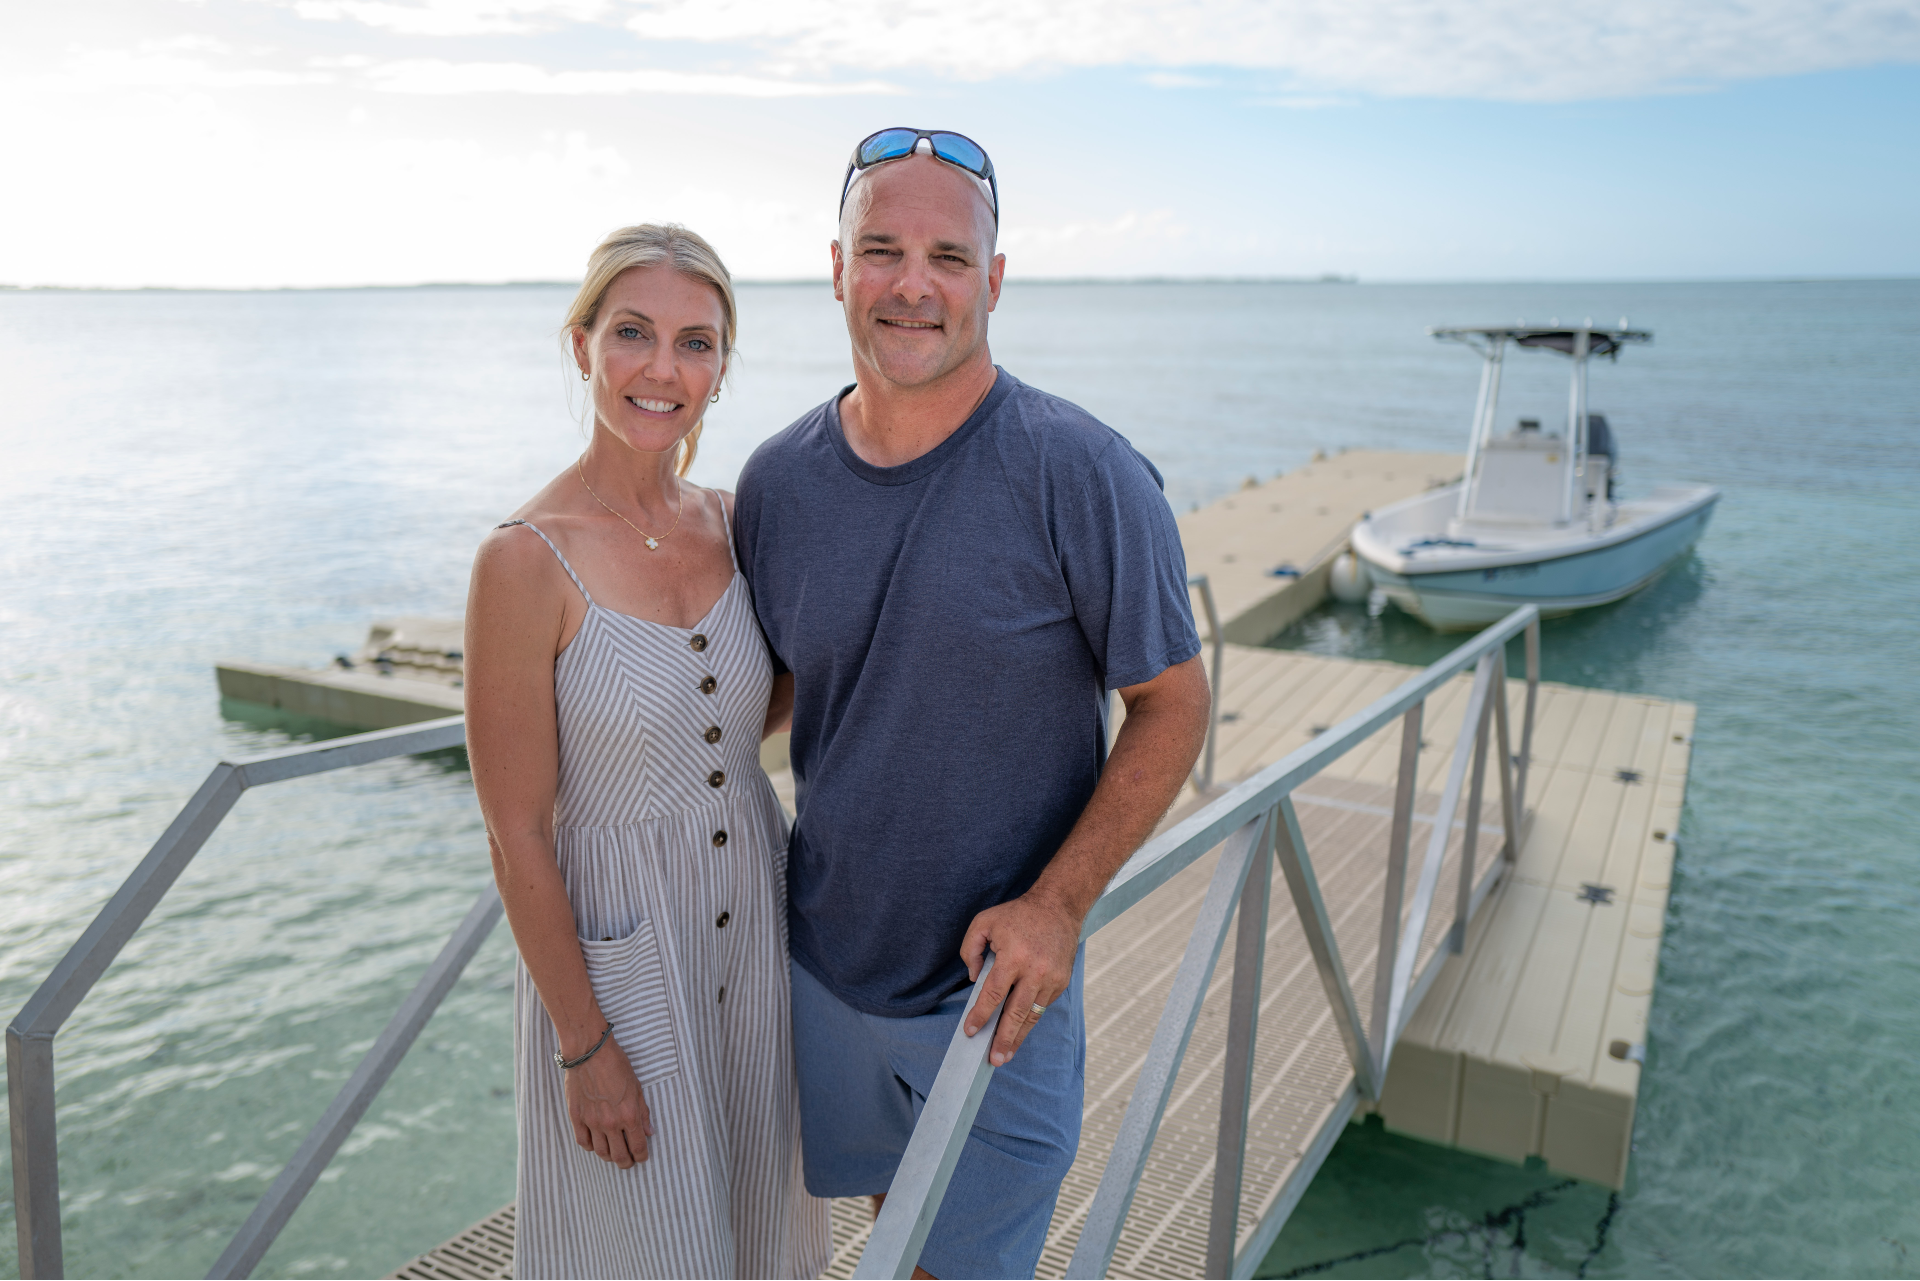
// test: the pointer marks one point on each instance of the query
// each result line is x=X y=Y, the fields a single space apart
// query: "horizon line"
x=1328 y=278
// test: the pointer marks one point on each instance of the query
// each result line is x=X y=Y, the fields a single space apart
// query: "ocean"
x=194 y=476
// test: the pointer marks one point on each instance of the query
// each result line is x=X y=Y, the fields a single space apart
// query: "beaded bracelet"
x=564 y=1063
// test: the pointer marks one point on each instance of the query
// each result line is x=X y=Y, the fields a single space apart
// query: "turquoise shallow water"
x=192 y=476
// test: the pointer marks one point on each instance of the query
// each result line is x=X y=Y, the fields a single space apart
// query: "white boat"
x=1535 y=519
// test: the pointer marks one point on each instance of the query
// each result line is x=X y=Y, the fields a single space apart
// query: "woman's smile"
x=664 y=408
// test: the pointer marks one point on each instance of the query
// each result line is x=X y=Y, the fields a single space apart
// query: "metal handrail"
x=30 y=1073
x=1203 y=777
x=1250 y=818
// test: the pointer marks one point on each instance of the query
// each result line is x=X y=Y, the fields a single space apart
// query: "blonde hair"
x=646 y=245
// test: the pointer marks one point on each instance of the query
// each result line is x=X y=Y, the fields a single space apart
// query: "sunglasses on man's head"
x=956 y=149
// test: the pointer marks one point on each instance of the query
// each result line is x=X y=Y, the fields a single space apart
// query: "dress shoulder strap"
x=556 y=551
x=726 y=523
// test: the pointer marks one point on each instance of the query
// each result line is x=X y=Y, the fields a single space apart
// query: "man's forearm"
x=1036 y=935
x=1166 y=727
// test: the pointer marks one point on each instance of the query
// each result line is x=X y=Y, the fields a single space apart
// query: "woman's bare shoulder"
x=514 y=548
x=519 y=557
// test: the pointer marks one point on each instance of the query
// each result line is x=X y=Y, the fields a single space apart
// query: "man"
x=953 y=569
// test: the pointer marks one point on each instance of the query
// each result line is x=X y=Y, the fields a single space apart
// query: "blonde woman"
x=617 y=691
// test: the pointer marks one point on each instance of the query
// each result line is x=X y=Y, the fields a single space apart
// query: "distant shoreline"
x=1022 y=281
x=1330 y=278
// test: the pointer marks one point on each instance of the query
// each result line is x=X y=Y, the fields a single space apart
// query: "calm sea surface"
x=194 y=476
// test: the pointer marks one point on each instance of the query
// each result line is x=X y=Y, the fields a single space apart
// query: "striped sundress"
x=673 y=847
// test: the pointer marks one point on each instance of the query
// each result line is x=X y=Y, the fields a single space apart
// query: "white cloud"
x=1504 y=49
x=351 y=209
x=438 y=76
x=191 y=63
x=396 y=140
x=164 y=64
x=454 y=17
x=1521 y=50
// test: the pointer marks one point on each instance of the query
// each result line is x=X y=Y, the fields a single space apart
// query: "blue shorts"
x=864 y=1079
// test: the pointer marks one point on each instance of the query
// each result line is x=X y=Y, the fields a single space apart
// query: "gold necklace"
x=653 y=544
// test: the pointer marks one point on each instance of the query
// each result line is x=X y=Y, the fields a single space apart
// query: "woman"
x=617 y=692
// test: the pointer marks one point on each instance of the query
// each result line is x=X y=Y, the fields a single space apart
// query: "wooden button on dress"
x=719 y=840
x=716 y=778
x=708 y=685
x=698 y=643
x=720 y=922
x=713 y=734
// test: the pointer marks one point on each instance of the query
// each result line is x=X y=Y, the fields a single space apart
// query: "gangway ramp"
x=1510 y=1051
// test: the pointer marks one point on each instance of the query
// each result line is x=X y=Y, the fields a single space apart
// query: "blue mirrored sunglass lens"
x=888 y=144
x=954 y=149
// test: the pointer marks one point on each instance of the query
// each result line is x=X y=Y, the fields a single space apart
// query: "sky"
x=266 y=143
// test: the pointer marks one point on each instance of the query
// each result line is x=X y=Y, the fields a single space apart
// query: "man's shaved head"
x=939 y=174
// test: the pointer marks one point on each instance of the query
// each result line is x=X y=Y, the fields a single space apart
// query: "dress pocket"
x=631 y=986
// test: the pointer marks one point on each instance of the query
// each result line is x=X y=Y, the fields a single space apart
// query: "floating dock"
x=1528 y=1043
x=408 y=670
x=1268 y=549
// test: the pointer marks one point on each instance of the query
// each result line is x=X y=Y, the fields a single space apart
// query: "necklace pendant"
x=653 y=544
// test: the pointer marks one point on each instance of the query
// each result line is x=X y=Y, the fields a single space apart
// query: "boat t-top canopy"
x=1579 y=342
x=1600 y=342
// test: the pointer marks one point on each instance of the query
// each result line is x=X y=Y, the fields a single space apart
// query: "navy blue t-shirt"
x=953 y=625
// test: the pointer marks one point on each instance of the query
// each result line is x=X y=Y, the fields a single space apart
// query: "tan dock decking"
x=1508 y=1055
x=1299 y=520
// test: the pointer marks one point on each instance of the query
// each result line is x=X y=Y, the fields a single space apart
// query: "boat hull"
x=1457 y=599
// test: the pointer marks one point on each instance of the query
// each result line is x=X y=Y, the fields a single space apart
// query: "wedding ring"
x=1039 y=1009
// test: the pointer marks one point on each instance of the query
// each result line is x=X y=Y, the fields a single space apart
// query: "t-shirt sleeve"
x=746 y=530
x=1125 y=569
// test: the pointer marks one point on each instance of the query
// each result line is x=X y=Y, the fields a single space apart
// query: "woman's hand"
x=608 y=1112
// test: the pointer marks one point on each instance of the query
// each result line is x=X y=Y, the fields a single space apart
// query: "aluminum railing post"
x=1093 y=1253
x=1380 y=1032
x=1204 y=779
x=70 y=980
x=1236 y=1083
x=1427 y=887
x=36 y=1154
x=1526 y=724
x=1469 y=842
x=1291 y=847
x=1509 y=791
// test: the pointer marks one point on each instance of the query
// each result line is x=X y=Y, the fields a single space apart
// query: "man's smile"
x=909 y=324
